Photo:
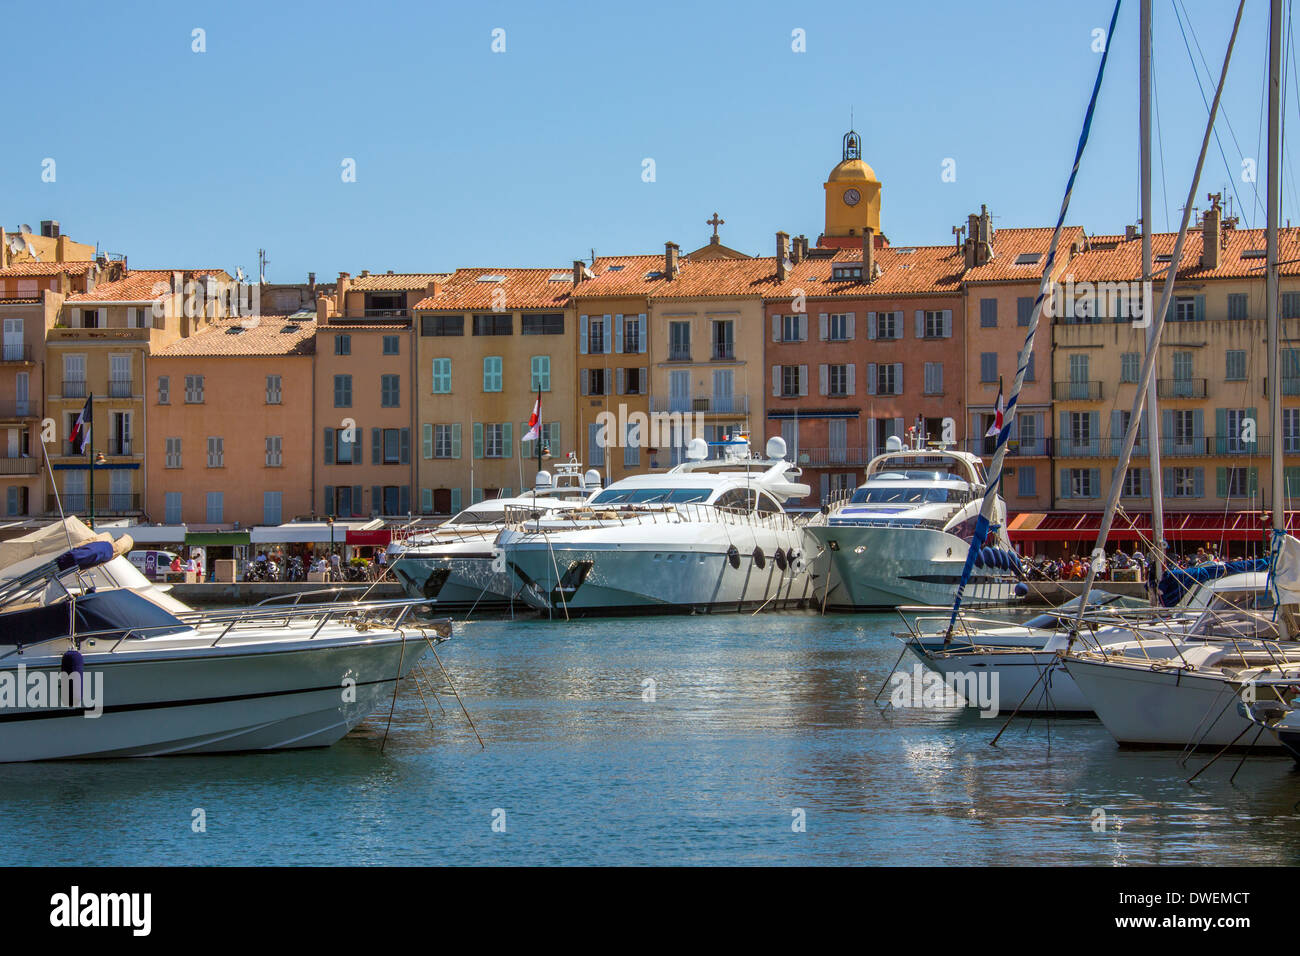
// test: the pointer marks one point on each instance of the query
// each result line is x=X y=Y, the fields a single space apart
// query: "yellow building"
x=489 y=340
x=852 y=195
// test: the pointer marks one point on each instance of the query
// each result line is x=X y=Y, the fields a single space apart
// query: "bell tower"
x=852 y=194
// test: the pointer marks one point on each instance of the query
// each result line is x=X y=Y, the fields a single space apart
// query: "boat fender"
x=780 y=559
x=979 y=559
x=1022 y=589
x=74 y=665
x=989 y=560
x=760 y=561
x=733 y=556
x=796 y=560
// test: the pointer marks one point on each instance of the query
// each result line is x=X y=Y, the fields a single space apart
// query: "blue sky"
x=534 y=156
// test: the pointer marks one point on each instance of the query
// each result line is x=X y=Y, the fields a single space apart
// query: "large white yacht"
x=708 y=535
x=458 y=564
x=902 y=537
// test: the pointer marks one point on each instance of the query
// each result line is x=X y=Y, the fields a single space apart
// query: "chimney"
x=972 y=240
x=868 y=254
x=670 y=260
x=432 y=289
x=364 y=273
x=796 y=252
x=50 y=228
x=1210 y=234
x=986 y=227
x=782 y=255
x=311 y=280
x=577 y=272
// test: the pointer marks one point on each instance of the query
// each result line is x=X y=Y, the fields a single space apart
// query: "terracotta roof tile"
x=1116 y=259
x=1010 y=245
x=138 y=284
x=249 y=336
x=27 y=269
x=396 y=281
x=468 y=289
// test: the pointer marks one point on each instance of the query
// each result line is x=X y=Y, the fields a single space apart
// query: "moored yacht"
x=902 y=537
x=708 y=535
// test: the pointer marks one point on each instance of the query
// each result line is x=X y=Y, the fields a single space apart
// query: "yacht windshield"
x=906 y=494
x=644 y=496
x=479 y=517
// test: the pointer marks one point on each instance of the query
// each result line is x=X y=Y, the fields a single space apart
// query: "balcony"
x=1015 y=447
x=16 y=353
x=119 y=446
x=1290 y=385
x=17 y=410
x=679 y=354
x=20 y=466
x=1180 y=387
x=1076 y=391
x=715 y=405
x=120 y=388
x=74 y=388
x=724 y=353
x=831 y=457
x=358 y=314
x=107 y=503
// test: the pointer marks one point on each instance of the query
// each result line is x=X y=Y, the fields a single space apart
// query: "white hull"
x=686 y=569
x=472 y=580
x=185 y=697
x=883 y=567
x=1033 y=681
x=1171 y=707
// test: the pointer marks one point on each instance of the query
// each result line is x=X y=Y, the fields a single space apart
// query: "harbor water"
x=693 y=740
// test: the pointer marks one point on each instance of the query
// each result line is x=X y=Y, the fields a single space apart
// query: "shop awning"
x=216 y=539
x=1196 y=526
x=369 y=537
x=313 y=532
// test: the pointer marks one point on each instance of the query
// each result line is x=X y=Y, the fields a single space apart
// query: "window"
x=172 y=507
x=539 y=373
x=595 y=335
x=1236 y=483
x=887 y=325
x=390 y=391
x=724 y=347
x=936 y=324
x=272 y=509
x=889 y=380
x=342 y=345
x=216 y=507
x=541 y=323
x=273 y=390
x=597 y=381
x=1026 y=481
x=632 y=333
x=164 y=390
x=1237 y=305
x=1080 y=429
x=216 y=452
x=392 y=345
x=342 y=391
x=790 y=381
x=988 y=313
x=838 y=327
x=679 y=341
x=1029 y=369
x=596 y=445
x=988 y=366
x=434 y=325
x=1082 y=482
x=274 y=457
x=934 y=378
x=391 y=446
x=441 y=376
x=1024 y=310
x=494 y=323
x=495 y=443
x=173 y=453
x=793 y=327
x=338 y=450
x=634 y=381
x=1030 y=429
x=1290 y=305
x=1130 y=366
x=1235 y=365
x=194 y=389
x=446 y=441
x=74 y=376
x=1291 y=430
x=1184 y=308
x=1234 y=430
x=838 y=380
x=1184 y=427
x=492 y=373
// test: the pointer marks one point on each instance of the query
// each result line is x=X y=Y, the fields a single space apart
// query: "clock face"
x=851 y=197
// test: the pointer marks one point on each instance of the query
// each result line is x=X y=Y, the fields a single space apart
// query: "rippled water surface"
x=753 y=719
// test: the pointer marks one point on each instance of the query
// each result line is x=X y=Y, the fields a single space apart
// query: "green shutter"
x=1220 y=432
x=1200 y=308
x=478 y=439
x=455 y=440
x=329 y=446
x=1221 y=482
x=455 y=501
x=507 y=440
x=426 y=439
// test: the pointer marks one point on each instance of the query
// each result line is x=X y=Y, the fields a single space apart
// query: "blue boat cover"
x=1176 y=582
x=85 y=556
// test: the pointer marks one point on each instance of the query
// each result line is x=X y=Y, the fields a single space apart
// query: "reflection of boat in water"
x=458 y=564
x=115 y=672
x=708 y=535
x=903 y=535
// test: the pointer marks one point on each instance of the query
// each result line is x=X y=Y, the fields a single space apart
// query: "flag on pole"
x=996 y=427
x=80 y=437
x=535 y=421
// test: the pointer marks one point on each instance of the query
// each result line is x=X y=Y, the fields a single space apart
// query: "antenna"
x=261 y=266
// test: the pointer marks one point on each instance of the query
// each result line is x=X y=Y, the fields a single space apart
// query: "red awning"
x=374 y=537
x=1132 y=526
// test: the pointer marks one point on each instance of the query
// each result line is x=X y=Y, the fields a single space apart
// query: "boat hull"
x=1027 y=681
x=459 y=582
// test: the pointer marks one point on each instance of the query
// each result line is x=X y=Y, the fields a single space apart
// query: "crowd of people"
x=277 y=566
x=1133 y=564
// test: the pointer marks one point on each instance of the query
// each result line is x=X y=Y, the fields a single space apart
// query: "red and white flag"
x=80 y=437
x=535 y=421
x=996 y=427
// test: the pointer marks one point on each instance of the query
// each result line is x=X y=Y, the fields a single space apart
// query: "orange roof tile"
x=25 y=269
x=1115 y=259
x=468 y=289
x=396 y=281
x=1009 y=245
x=138 y=285
x=248 y=336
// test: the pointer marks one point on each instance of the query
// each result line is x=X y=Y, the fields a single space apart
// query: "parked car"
x=152 y=564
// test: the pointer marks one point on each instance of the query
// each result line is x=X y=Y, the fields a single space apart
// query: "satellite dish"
x=776 y=447
x=893 y=443
x=592 y=478
x=25 y=229
x=697 y=450
x=543 y=479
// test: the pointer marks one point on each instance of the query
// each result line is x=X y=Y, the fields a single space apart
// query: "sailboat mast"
x=1153 y=413
x=1271 y=282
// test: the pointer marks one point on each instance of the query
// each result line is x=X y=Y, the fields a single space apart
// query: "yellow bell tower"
x=852 y=193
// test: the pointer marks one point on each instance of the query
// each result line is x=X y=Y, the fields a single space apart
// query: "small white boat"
x=902 y=537
x=710 y=535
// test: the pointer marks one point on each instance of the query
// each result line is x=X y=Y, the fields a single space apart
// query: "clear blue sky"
x=534 y=156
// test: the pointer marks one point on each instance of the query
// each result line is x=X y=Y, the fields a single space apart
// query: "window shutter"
x=376 y=500
x=426 y=440
x=478 y=439
x=376 y=446
x=1065 y=482
x=851 y=371
x=898 y=379
x=1116 y=430
x=871 y=378
x=582 y=380
x=582 y=334
x=850 y=322
x=776 y=328
x=822 y=380
x=404 y=499
x=475 y=495
x=404 y=447
x=803 y=378
x=1250 y=413
x=1063 y=438
x=1094 y=432
x=1252 y=482
x=947 y=323
x=554 y=438
x=455 y=501
x=1200 y=308
x=1094 y=481
x=920 y=323
x=803 y=327
x=776 y=381
x=1221 y=482
x=643 y=331
x=618 y=332
x=609 y=339
x=618 y=381
x=507 y=440
x=356 y=500
x=871 y=325
x=329 y=446
x=823 y=322
x=455 y=440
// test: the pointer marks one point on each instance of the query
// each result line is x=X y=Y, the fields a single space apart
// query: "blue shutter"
x=329 y=446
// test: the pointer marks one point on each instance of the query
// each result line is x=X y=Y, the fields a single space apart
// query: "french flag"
x=535 y=421
x=996 y=427
x=80 y=437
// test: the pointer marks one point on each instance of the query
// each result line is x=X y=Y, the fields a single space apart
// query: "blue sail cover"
x=85 y=556
x=1176 y=582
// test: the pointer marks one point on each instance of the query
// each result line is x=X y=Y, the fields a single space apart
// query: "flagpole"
x=90 y=455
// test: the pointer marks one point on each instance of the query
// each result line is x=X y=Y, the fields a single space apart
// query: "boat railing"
x=529 y=521
x=969 y=626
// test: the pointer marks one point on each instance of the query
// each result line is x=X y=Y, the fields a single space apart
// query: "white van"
x=152 y=564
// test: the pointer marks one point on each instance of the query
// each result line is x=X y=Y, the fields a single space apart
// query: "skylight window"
x=1028 y=258
x=654 y=275
x=560 y=277
x=491 y=278
x=1254 y=254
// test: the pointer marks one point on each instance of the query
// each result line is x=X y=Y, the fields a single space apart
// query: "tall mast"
x=1153 y=413
x=1274 y=211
